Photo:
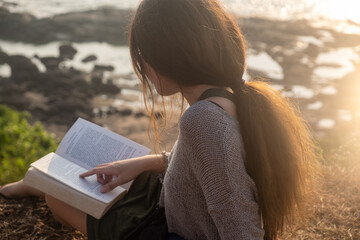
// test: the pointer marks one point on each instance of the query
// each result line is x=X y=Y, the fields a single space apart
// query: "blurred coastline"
x=77 y=64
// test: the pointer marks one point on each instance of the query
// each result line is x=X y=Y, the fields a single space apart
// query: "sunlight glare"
x=340 y=9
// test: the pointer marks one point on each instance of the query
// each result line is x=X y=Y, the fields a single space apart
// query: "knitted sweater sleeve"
x=219 y=169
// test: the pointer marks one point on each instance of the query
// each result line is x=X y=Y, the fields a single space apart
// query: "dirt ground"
x=30 y=218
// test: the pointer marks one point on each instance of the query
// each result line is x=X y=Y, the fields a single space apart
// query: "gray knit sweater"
x=207 y=193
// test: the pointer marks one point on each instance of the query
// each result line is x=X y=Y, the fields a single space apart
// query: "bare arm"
x=116 y=173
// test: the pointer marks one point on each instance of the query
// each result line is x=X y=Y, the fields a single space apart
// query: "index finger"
x=88 y=173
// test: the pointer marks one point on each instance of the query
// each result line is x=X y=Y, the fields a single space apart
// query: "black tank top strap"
x=217 y=92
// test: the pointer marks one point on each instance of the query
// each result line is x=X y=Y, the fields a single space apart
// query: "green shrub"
x=20 y=144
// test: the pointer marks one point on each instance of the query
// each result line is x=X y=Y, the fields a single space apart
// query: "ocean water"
x=285 y=9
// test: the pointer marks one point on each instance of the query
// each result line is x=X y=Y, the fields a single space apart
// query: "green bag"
x=126 y=214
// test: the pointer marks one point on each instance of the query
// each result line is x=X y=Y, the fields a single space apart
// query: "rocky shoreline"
x=103 y=25
x=60 y=94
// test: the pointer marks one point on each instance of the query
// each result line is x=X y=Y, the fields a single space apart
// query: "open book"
x=84 y=146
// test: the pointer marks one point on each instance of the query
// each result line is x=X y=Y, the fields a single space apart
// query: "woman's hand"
x=111 y=175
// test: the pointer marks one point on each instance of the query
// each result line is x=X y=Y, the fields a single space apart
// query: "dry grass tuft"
x=335 y=212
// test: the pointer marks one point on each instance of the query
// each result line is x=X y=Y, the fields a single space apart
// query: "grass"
x=335 y=210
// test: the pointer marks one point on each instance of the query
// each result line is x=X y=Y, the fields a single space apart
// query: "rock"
x=125 y=112
x=103 y=68
x=101 y=25
x=12 y=25
x=3 y=57
x=65 y=93
x=295 y=72
x=89 y=58
x=312 y=50
x=101 y=88
x=51 y=63
x=21 y=67
x=96 y=80
x=67 y=51
x=10 y=4
x=140 y=114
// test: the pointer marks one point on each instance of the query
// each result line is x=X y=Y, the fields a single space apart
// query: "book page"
x=67 y=172
x=90 y=145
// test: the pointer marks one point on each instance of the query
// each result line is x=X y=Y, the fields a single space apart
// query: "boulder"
x=22 y=68
x=51 y=63
x=103 y=88
x=103 y=68
x=89 y=58
x=67 y=51
x=312 y=50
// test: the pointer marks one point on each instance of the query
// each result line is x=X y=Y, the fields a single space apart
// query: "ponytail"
x=278 y=152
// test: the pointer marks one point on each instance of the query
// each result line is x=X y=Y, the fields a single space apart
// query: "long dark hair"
x=196 y=42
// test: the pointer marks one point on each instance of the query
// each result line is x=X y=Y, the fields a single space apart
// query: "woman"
x=240 y=166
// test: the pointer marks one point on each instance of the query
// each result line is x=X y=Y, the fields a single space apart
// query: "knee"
x=66 y=215
x=54 y=205
x=51 y=202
